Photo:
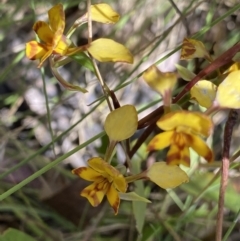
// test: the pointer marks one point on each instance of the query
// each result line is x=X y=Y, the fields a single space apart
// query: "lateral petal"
x=46 y=55
x=44 y=32
x=87 y=173
x=160 y=141
x=97 y=164
x=120 y=183
x=113 y=198
x=199 y=146
x=93 y=194
x=35 y=50
x=57 y=22
x=107 y=50
x=56 y=17
x=194 y=121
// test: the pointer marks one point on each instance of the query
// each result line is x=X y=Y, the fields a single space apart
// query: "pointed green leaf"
x=82 y=59
x=185 y=73
x=132 y=196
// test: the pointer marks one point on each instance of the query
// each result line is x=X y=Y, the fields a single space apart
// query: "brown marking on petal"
x=179 y=140
x=33 y=51
x=78 y=171
x=95 y=199
x=151 y=147
x=115 y=205
x=37 y=25
x=91 y=194
x=185 y=160
x=209 y=157
x=173 y=159
x=103 y=185
x=187 y=49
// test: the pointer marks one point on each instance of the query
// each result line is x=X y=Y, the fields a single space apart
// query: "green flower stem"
x=109 y=151
x=48 y=109
x=64 y=83
x=44 y=148
x=105 y=88
x=136 y=177
x=48 y=167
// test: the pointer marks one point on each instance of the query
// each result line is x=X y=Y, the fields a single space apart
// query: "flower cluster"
x=180 y=129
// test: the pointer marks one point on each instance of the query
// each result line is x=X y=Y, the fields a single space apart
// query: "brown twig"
x=232 y=118
x=223 y=59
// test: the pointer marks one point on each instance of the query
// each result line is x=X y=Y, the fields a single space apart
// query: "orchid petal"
x=44 y=32
x=98 y=164
x=44 y=58
x=56 y=17
x=120 y=183
x=113 y=198
x=190 y=121
x=35 y=50
x=87 y=173
x=160 y=141
x=159 y=81
x=94 y=194
x=193 y=48
x=178 y=155
x=199 y=146
x=62 y=46
x=57 y=22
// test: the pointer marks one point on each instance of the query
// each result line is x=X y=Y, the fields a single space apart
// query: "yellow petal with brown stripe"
x=35 y=50
x=94 y=194
x=87 y=173
x=178 y=155
x=199 y=146
x=160 y=141
x=113 y=198
x=185 y=121
x=44 y=32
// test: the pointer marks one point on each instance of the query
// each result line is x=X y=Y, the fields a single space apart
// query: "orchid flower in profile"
x=51 y=36
x=53 y=41
x=182 y=130
x=163 y=83
x=106 y=181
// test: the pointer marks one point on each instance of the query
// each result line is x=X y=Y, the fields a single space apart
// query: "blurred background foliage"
x=40 y=123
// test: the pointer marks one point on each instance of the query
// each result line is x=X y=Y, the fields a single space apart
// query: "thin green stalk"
x=48 y=167
x=44 y=148
x=48 y=109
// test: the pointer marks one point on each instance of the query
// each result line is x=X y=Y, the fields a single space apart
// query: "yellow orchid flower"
x=54 y=42
x=106 y=181
x=182 y=129
x=163 y=83
x=51 y=35
x=192 y=48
